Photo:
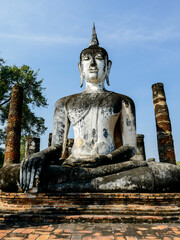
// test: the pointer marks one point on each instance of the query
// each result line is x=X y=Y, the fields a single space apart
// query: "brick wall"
x=90 y=207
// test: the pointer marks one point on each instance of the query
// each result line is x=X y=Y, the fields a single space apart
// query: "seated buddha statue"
x=103 y=157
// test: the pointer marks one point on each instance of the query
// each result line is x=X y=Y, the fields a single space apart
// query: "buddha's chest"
x=92 y=109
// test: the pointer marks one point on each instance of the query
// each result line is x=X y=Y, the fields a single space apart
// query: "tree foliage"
x=1 y=157
x=32 y=97
x=2 y=140
x=22 y=148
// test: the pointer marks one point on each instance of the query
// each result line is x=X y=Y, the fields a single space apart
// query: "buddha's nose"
x=93 y=62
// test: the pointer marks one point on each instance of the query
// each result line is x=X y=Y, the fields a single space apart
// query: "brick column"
x=163 y=125
x=140 y=151
x=13 y=130
x=32 y=146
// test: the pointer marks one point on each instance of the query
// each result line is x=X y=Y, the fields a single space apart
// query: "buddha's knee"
x=134 y=180
x=157 y=177
x=166 y=177
x=9 y=178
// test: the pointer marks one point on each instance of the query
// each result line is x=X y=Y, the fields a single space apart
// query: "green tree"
x=32 y=125
x=2 y=140
x=1 y=157
x=22 y=148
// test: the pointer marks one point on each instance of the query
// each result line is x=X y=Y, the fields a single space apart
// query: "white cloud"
x=122 y=36
x=140 y=35
x=43 y=38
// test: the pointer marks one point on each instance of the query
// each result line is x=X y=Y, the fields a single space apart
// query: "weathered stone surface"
x=134 y=180
x=53 y=173
x=94 y=117
x=69 y=146
x=131 y=176
x=32 y=146
x=50 y=140
x=120 y=154
x=151 y=159
x=163 y=125
x=13 y=130
x=166 y=177
x=9 y=178
x=33 y=166
x=140 y=150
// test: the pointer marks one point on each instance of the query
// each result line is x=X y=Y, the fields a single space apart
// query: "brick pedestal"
x=90 y=207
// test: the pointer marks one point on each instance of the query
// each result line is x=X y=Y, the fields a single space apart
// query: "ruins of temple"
x=106 y=161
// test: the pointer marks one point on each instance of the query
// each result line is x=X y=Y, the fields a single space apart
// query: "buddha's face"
x=94 y=65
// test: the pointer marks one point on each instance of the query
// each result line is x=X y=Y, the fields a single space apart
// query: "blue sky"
x=142 y=38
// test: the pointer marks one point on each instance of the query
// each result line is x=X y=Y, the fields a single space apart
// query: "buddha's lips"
x=93 y=70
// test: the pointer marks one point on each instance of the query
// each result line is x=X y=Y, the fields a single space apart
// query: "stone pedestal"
x=163 y=125
x=13 y=130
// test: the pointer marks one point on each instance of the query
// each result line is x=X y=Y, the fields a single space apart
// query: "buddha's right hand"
x=32 y=166
x=30 y=170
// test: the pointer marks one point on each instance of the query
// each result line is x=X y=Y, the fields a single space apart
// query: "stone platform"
x=90 y=207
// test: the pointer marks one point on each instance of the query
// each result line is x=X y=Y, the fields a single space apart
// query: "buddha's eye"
x=85 y=57
x=99 y=57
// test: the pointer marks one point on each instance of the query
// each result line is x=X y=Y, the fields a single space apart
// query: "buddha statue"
x=103 y=157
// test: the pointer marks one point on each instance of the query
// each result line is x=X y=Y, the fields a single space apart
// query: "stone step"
x=92 y=209
x=57 y=218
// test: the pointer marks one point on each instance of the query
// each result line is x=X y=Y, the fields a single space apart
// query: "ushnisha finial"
x=94 y=39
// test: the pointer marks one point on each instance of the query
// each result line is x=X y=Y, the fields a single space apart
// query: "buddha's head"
x=94 y=65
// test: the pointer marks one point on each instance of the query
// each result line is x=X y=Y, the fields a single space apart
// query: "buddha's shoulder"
x=64 y=100
x=109 y=95
x=121 y=98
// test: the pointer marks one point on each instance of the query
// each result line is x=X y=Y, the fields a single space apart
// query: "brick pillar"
x=32 y=146
x=13 y=130
x=140 y=151
x=163 y=125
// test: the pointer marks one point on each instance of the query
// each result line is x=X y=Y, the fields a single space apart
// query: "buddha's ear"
x=109 y=63
x=81 y=74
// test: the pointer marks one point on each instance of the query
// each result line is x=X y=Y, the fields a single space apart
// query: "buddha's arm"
x=128 y=123
x=60 y=125
x=33 y=166
x=128 y=131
